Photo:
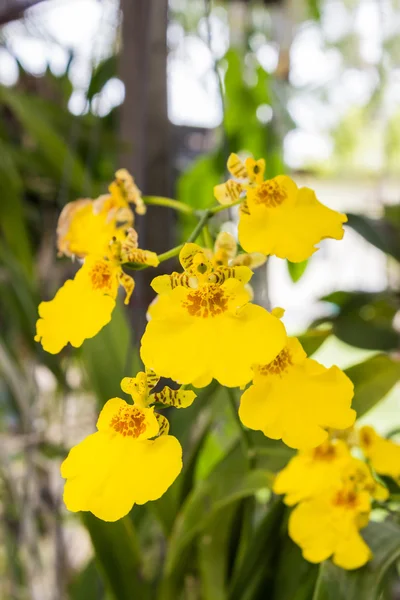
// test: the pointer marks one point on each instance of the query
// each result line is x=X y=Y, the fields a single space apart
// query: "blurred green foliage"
x=218 y=533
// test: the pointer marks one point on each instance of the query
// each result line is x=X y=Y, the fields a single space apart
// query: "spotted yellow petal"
x=327 y=525
x=236 y=167
x=182 y=343
x=285 y=222
x=383 y=454
x=296 y=399
x=228 y=193
x=178 y=398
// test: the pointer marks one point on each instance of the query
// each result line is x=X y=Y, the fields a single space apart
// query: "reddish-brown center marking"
x=101 y=276
x=325 y=452
x=347 y=498
x=270 y=194
x=129 y=422
x=277 y=366
x=366 y=438
x=208 y=301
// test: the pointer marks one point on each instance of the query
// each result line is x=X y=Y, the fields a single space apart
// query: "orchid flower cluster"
x=204 y=325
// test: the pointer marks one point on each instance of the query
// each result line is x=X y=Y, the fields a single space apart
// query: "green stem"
x=245 y=438
x=197 y=230
x=205 y=215
x=220 y=207
x=170 y=253
x=170 y=203
x=208 y=241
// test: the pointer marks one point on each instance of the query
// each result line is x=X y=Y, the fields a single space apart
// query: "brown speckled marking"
x=208 y=301
x=325 y=452
x=269 y=193
x=346 y=497
x=279 y=365
x=129 y=422
x=101 y=276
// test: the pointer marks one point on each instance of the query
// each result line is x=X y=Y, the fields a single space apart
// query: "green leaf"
x=213 y=555
x=312 y=339
x=365 y=583
x=50 y=144
x=314 y=8
x=381 y=233
x=229 y=482
x=195 y=186
x=296 y=270
x=106 y=357
x=372 y=379
x=295 y=577
x=101 y=74
x=86 y=585
x=364 y=319
x=12 y=217
x=118 y=556
x=257 y=566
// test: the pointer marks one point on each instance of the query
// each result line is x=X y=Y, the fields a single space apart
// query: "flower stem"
x=205 y=215
x=220 y=207
x=170 y=203
x=197 y=230
x=207 y=239
x=170 y=253
x=245 y=437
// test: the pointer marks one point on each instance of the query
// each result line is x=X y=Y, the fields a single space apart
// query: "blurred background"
x=168 y=90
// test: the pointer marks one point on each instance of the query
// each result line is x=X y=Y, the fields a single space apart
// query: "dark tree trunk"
x=145 y=131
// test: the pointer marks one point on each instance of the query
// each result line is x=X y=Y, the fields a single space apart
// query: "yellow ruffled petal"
x=326 y=526
x=106 y=474
x=297 y=401
x=180 y=342
x=75 y=314
x=162 y=459
x=383 y=454
x=287 y=223
x=352 y=552
x=100 y=476
x=311 y=472
x=82 y=230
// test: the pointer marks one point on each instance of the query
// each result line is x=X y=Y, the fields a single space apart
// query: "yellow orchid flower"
x=383 y=454
x=312 y=472
x=276 y=217
x=296 y=399
x=86 y=226
x=327 y=524
x=203 y=325
x=84 y=305
x=131 y=459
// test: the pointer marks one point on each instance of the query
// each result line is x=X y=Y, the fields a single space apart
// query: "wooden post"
x=145 y=131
